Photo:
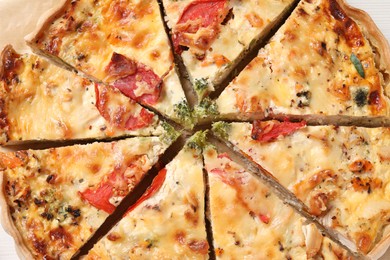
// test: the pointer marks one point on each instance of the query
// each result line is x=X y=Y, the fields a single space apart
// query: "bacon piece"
x=120 y=66
x=134 y=79
x=144 y=119
x=271 y=130
x=115 y=108
x=200 y=14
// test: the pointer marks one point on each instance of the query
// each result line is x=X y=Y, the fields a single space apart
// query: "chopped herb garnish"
x=197 y=141
x=184 y=113
x=207 y=107
x=361 y=97
x=201 y=86
x=358 y=65
x=170 y=134
x=221 y=129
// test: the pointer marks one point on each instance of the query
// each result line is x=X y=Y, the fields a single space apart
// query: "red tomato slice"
x=205 y=12
x=100 y=197
x=264 y=218
x=269 y=131
x=200 y=14
x=131 y=75
x=154 y=187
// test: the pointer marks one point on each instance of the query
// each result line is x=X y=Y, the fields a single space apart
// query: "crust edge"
x=376 y=39
x=44 y=20
x=380 y=248
x=6 y=221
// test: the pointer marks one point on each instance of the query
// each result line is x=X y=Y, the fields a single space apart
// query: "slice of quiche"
x=341 y=174
x=327 y=59
x=249 y=221
x=42 y=102
x=120 y=43
x=168 y=221
x=212 y=36
x=54 y=200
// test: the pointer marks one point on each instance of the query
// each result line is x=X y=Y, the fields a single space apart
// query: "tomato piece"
x=200 y=14
x=100 y=197
x=205 y=12
x=134 y=79
x=264 y=218
x=223 y=155
x=271 y=130
x=154 y=187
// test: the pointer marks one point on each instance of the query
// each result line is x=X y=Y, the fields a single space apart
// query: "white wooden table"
x=378 y=9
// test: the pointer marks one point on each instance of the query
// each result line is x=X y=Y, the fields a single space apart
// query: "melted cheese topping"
x=307 y=68
x=248 y=23
x=249 y=220
x=44 y=195
x=49 y=103
x=88 y=32
x=168 y=225
x=342 y=174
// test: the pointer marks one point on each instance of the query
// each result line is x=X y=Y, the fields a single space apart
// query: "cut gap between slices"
x=189 y=92
x=284 y=194
x=48 y=144
x=312 y=120
x=207 y=217
x=132 y=197
x=249 y=54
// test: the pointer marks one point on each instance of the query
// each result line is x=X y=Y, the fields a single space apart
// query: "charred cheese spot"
x=140 y=40
x=53 y=46
x=199 y=246
x=155 y=55
x=366 y=184
x=39 y=245
x=114 y=236
x=361 y=166
x=318 y=204
x=61 y=237
x=364 y=242
x=13 y=160
x=255 y=20
x=345 y=26
x=12 y=64
x=95 y=167
x=219 y=251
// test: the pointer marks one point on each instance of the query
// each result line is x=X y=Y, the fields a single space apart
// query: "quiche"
x=54 y=200
x=104 y=110
x=327 y=59
x=212 y=36
x=341 y=174
x=167 y=222
x=42 y=102
x=248 y=219
x=120 y=43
